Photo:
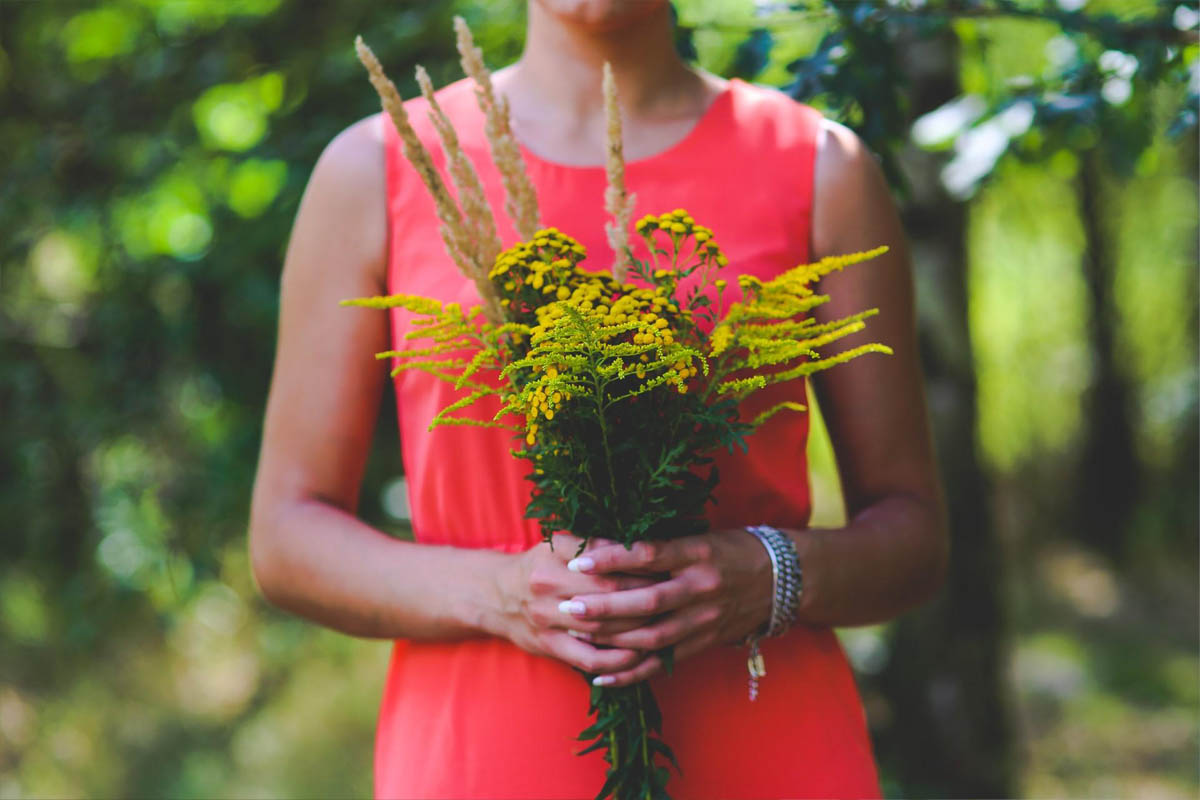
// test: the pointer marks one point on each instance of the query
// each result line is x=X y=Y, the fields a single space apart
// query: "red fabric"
x=483 y=718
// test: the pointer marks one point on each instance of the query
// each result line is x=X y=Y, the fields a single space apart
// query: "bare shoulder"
x=840 y=154
x=848 y=184
x=355 y=154
x=344 y=209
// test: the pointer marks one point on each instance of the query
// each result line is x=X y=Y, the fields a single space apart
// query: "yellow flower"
x=722 y=337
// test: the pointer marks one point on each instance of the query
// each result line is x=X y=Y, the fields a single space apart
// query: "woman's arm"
x=310 y=554
x=891 y=556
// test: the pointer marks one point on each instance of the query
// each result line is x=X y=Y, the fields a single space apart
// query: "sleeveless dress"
x=481 y=718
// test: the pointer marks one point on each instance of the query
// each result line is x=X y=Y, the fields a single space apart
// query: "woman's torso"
x=482 y=718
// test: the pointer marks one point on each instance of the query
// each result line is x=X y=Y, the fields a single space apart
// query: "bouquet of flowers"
x=617 y=385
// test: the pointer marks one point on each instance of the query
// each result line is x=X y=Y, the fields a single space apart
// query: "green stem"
x=613 y=750
x=646 y=765
x=716 y=373
x=598 y=397
x=653 y=255
x=608 y=461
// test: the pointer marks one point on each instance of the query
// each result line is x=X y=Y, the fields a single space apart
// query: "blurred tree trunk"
x=1108 y=477
x=949 y=732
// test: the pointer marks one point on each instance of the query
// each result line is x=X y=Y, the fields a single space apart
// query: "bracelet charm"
x=785 y=598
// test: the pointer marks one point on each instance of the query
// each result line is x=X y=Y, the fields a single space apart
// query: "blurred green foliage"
x=154 y=156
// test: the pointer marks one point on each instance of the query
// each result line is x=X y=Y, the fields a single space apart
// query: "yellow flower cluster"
x=454 y=333
x=679 y=225
x=578 y=335
x=529 y=274
x=768 y=339
x=589 y=337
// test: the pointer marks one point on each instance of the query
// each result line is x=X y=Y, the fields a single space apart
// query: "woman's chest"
x=762 y=230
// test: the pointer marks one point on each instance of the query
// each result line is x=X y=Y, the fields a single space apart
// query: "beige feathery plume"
x=618 y=202
x=521 y=202
x=476 y=211
x=454 y=229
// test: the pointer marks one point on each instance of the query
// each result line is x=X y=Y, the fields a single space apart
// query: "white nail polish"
x=603 y=680
x=572 y=607
x=587 y=637
x=581 y=564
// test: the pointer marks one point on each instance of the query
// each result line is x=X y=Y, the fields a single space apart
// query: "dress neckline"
x=716 y=109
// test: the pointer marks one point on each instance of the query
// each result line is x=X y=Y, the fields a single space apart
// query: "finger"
x=593 y=630
x=653 y=663
x=596 y=542
x=668 y=631
x=549 y=581
x=600 y=541
x=628 y=677
x=553 y=611
x=644 y=602
x=643 y=557
x=575 y=583
x=590 y=658
x=565 y=544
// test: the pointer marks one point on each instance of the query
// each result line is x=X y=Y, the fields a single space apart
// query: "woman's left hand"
x=716 y=589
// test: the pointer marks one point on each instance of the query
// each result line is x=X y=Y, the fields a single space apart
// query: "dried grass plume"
x=476 y=211
x=617 y=201
x=455 y=230
x=521 y=202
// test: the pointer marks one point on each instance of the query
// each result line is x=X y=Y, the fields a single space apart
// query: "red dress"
x=483 y=718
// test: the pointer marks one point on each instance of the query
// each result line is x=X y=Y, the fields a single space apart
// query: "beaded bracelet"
x=787 y=585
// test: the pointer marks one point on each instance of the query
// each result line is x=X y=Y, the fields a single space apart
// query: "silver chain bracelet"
x=787 y=585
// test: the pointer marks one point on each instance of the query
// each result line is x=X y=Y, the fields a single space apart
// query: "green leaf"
x=667 y=654
x=596 y=745
x=659 y=746
x=610 y=783
x=600 y=726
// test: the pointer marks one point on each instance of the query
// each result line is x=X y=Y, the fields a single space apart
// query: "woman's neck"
x=563 y=62
x=554 y=89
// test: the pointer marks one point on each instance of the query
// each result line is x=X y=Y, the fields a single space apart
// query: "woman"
x=481 y=698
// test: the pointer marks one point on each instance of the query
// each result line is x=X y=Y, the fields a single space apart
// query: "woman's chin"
x=601 y=15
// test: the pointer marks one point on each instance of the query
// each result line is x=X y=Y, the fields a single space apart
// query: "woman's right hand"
x=533 y=589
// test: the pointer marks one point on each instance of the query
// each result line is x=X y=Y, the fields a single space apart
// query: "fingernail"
x=572 y=607
x=587 y=637
x=581 y=564
x=603 y=680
